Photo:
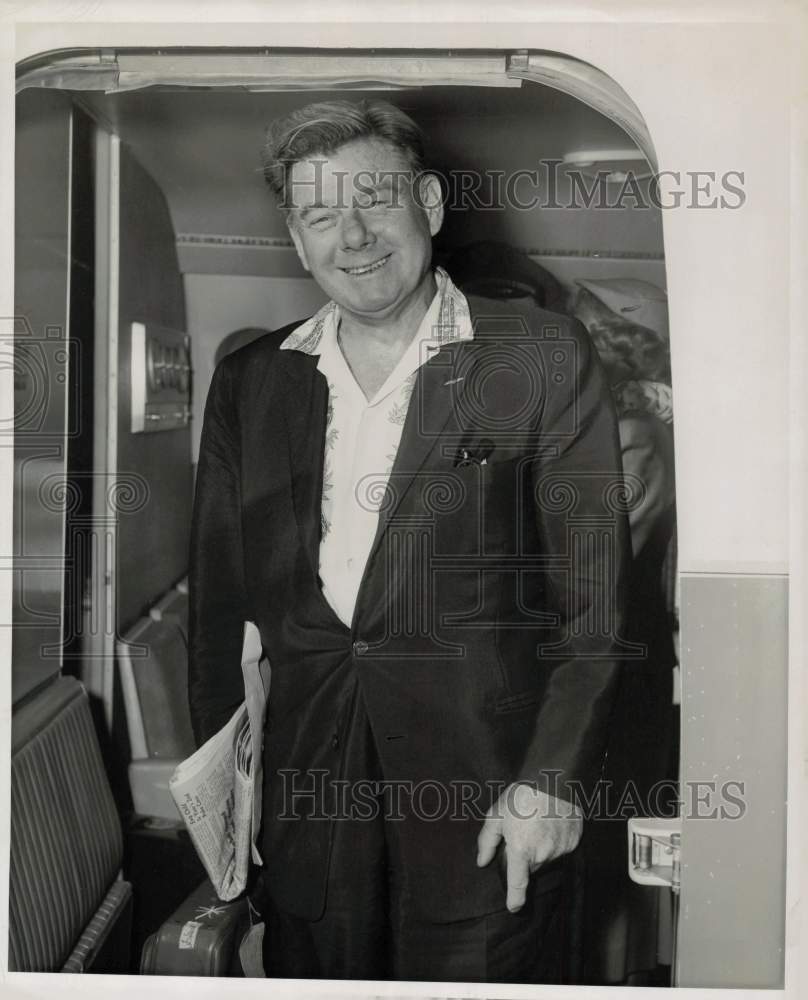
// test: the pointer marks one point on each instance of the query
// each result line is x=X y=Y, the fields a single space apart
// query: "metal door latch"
x=654 y=847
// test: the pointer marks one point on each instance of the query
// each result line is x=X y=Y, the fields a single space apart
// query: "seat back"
x=66 y=839
x=153 y=660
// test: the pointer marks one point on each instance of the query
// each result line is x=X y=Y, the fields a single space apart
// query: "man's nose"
x=355 y=232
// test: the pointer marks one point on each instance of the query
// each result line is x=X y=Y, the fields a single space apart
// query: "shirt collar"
x=447 y=319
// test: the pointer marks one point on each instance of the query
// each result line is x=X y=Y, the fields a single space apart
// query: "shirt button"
x=360 y=647
x=350 y=563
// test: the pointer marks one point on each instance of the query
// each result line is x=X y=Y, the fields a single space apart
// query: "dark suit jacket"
x=485 y=640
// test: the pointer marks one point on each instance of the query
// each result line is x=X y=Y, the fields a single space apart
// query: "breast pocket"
x=467 y=506
x=493 y=493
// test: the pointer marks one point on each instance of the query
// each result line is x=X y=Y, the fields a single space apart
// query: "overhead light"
x=614 y=165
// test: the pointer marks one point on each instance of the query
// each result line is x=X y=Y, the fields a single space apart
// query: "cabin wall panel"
x=153 y=540
x=734 y=711
x=41 y=277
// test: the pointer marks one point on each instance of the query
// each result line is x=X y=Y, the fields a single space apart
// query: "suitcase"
x=201 y=938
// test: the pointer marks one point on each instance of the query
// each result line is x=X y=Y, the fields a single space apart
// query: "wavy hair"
x=321 y=128
x=628 y=351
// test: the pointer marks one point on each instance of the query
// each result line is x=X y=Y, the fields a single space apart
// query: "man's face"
x=359 y=228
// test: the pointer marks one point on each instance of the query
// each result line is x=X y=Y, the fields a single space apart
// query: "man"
x=415 y=497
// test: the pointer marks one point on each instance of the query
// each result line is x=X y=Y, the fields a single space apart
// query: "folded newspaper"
x=218 y=789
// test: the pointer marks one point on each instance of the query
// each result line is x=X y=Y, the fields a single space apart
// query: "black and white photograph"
x=404 y=488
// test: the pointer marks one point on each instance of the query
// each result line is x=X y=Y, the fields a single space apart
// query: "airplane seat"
x=153 y=662
x=69 y=908
x=496 y=270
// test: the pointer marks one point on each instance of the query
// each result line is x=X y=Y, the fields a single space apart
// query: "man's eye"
x=321 y=221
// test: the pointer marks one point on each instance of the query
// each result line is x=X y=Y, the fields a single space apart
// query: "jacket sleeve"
x=580 y=509
x=218 y=605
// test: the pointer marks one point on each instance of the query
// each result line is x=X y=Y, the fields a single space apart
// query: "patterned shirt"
x=362 y=436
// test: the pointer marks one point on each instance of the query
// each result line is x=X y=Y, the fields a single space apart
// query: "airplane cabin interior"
x=147 y=245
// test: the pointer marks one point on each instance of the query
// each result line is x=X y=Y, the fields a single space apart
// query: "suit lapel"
x=431 y=416
x=436 y=400
x=306 y=411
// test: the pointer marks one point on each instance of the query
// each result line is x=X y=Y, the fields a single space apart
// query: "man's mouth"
x=367 y=268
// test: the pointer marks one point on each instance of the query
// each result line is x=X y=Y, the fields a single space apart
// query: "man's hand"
x=536 y=828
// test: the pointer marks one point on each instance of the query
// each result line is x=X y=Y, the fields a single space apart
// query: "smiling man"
x=416 y=498
x=365 y=232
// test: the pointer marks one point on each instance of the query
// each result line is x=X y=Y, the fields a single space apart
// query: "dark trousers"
x=372 y=929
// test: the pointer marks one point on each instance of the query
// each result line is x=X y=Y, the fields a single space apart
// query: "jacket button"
x=360 y=647
x=335 y=741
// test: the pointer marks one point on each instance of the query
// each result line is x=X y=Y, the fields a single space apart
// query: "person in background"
x=627 y=320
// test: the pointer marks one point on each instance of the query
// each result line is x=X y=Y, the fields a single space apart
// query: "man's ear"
x=291 y=224
x=430 y=198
